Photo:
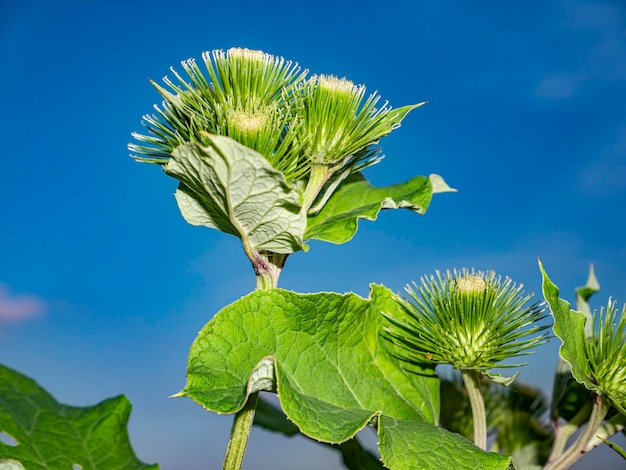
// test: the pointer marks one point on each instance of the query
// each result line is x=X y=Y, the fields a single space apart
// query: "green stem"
x=239 y=434
x=318 y=177
x=564 y=432
x=579 y=447
x=267 y=267
x=611 y=427
x=471 y=379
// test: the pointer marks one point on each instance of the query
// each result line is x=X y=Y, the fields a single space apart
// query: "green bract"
x=338 y=123
x=265 y=103
x=247 y=96
x=471 y=320
x=606 y=354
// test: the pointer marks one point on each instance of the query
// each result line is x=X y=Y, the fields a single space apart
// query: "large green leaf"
x=356 y=198
x=232 y=188
x=50 y=435
x=569 y=327
x=322 y=355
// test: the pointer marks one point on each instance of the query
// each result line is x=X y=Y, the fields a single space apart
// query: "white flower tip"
x=471 y=284
x=248 y=122
x=247 y=54
x=336 y=85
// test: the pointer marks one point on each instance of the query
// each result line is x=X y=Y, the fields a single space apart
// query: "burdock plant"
x=259 y=149
x=471 y=320
x=594 y=348
x=307 y=137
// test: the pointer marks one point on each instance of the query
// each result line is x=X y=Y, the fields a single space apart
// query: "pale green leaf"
x=356 y=198
x=500 y=379
x=332 y=374
x=569 y=327
x=50 y=435
x=232 y=188
x=583 y=294
x=11 y=465
x=568 y=396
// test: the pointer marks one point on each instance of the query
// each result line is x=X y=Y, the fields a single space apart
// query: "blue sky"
x=103 y=286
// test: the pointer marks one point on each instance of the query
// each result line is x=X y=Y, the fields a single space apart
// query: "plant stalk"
x=267 y=267
x=579 y=447
x=318 y=177
x=239 y=434
x=564 y=432
x=611 y=427
x=471 y=379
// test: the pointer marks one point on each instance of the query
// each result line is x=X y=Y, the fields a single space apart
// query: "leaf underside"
x=337 y=221
x=51 y=435
x=234 y=189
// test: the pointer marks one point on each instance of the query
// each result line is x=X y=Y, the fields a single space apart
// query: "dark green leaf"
x=412 y=445
x=51 y=435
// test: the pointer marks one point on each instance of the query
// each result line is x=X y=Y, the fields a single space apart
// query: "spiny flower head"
x=471 y=320
x=246 y=96
x=338 y=122
x=297 y=122
x=606 y=354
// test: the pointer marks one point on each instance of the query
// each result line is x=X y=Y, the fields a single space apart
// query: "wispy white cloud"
x=16 y=308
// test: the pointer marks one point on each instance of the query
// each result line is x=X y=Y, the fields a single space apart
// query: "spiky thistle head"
x=245 y=95
x=606 y=354
x=471 y=320
x=338 y=121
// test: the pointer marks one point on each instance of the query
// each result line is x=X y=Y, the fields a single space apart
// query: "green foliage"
x=337 y=221
x=410 y=445
x=50 y=435
x=354 y=456
x=597 y=362
x=615 y=447
x=264 y=102
x=232 y=188
x=569 y=327
x=568 y=396
x=321 y=354
x=515 y=418
x=266 y=154
x=302 y=343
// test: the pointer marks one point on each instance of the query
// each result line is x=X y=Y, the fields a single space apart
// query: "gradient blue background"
x=526 y=118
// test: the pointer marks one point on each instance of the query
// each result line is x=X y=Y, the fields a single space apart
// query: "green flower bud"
x=247 y=96
x=338 y=121
x=606 y=354
x=471 y=320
